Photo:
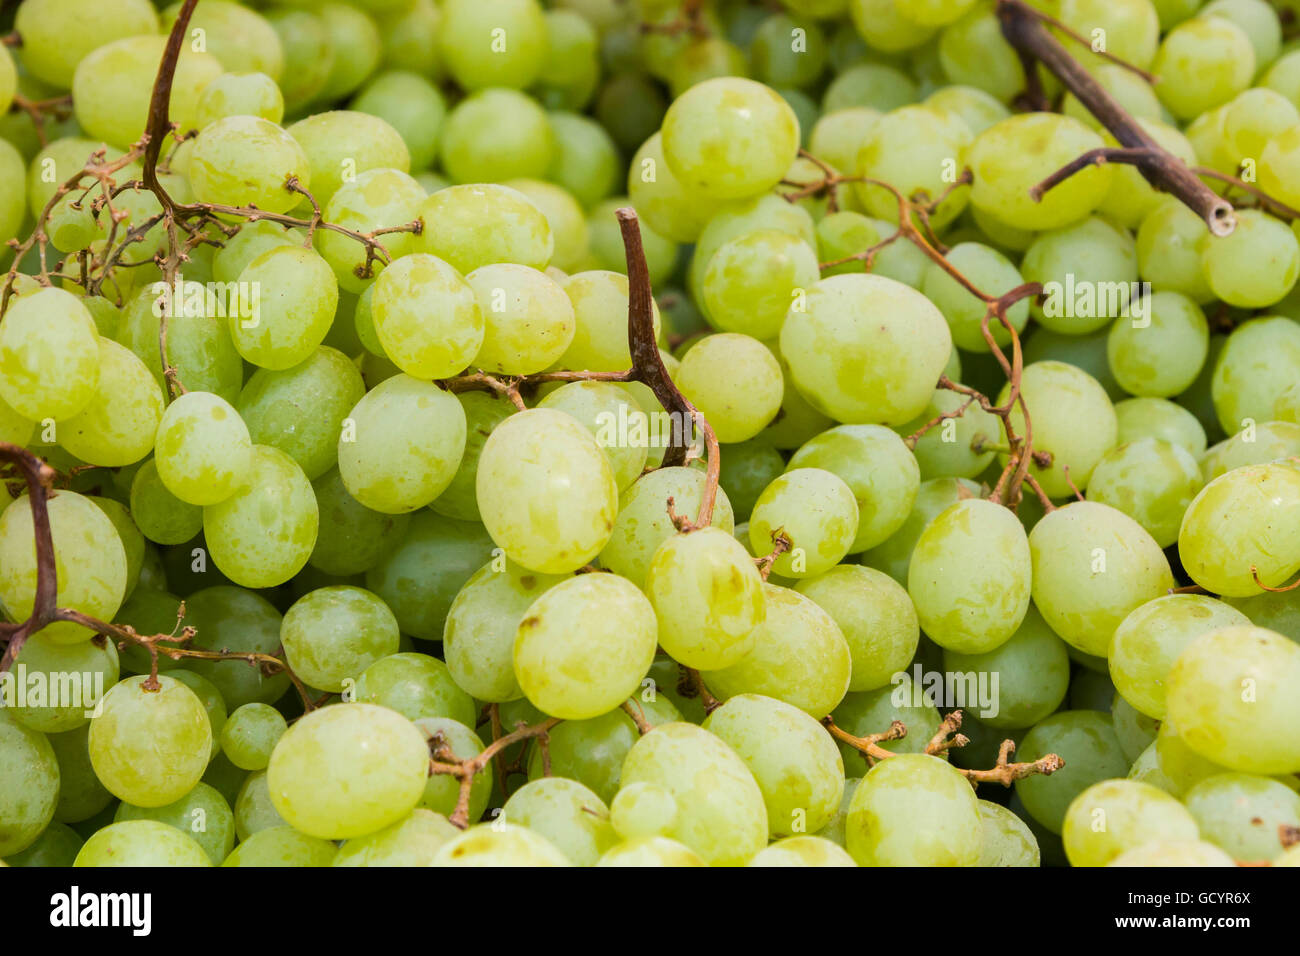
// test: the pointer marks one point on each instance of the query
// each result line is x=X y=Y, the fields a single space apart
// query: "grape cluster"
x=488 y=433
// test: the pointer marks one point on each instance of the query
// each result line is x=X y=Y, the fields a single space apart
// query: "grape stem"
x=443 y=761
x=1025 y=29
x=1254 y=573
x=637 y=713
x=690 y=684
x=59 y=107
x=781 y=543
x=1275 y=206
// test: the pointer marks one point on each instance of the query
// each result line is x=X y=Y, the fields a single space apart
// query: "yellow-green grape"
x=901 y=700
x=62 y=683
x=584 y=645
x=500 y=844
x=203 y=813
x=1172 y=765
x=254 y=811
x=1174 y=853
x=1228 y=696
x=414 y=841
x=141 y=843
x=1161 y=353
x=15 y=200
x=1240 y=531
x=914 y=810
x=150 y=747
x=884 y=25
x=708 y=598
x=1158 y=418
x=1118 y=815
x=976 y=609
x=566 y=217
x=133 y=541
x=730 y=137
x=619 y=425
x=332 y=634
x=1278 y=162
x=483 y=412
x=894 y=554
x=495 y=135
x=250 y=735
x=546 y=491
x=118 y=426
x=161 y=516
x=1256 y=265
x=308 y=56
x=1007 y=840
x=1147 y=642
x=670 y=206
x=1131 y=197
x=914 y=149
x=449 y=741
x=743 y=218
x=241 y=38
x=1202 y=63
x=230 y=618
x=469 y=48
x=1243 y=814
x=734 y=381
x=214 y=705
x=1014 y=155
x=866 y=349
x=799 y=656
x=426 y=316
x=651 y=851
x=751 y=281
x=58 y=34
x=49 y=355
x=1089 y=273
x=479 y=638
x=1131 y=27
x=247 y=160
x=815 y=509
x=251 y=241
x=1276 y=611
x=793 y=759
x=1259 y=361
x=29 y=784
x=987 y=269
x=1073 y=421
x=802 y=851
x=1152 y=481
x=1169 y=245
x=409 y=103
x=1086 y=741
x=344 y=143
x=249 y=95
x=528 y=320
x=375 y=199
x=482 y=224
x=957 y=446
x=642 y=810
x=202 y=450
x=348 y=770
x=401 y=445
x=720 y=809
x=416 y=686
x=976 y=108
x=1092 y=565
x=973 y=51
x=606 y=238
x=90 y=562
x=566 y=813
x=357 y=48
x=294 y=296
x=643 y=525
x=600 y=306
x=263 y=534
x=281 y=846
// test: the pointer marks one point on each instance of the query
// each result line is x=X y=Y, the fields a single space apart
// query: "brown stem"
x=1274 y=206
x=1254 y=573
x=444 y=761
x=868 y=746
x=637 y=713
x=781 y=543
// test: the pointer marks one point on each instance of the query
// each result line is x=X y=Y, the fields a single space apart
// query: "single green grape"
x=473 y=49
x=332 y=634
x=246 y=160
x=49 y=355
x=137 y=843
x=1086 y=741
x=343 y=143
x=202 y=449
x=1152 y=481
x=414 y=841
x=281 y=846
x=600 y=308
x=449 y=738
x=818 y=514
x=528 y=320
x=503 y=844
x=1202 y=63
x=375 y=199
x=62 y=684
x=914 y=810
x=1114 y=816
x=416 y=686
x=253 y=95
x=567 y=814
x=642 y=810
x=1243 y=814
x=1008 y=840
x=283 y=327
x=29 y=785
x=202 y=813
x=250 y=735
x=619 y=425
x=495 y=135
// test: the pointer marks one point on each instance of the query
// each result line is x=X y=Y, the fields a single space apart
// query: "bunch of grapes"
x=643 y=433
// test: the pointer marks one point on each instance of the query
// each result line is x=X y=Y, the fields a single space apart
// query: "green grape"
x=956 y=447
x=410 y=36
x=426 y=317
x=1015 y=154
x=973 y=51
x=1135 y=730
x=567 y=814
x=241 y=38
x=1149 y=640
x=357 y=48
x=794 y=761
x=202 y=448
x=1114 y=816
x=414 y=841
x=816 y=510
x=1171 y=765
x=1227 y=696
x=118 y=426
x=1131 y=27
x=495 y=135
x=479 y=638
x=1242 y=814
x=894 y=554
x=250 y=734
x=1008 y=840
x=214 y=706
x=546 y=491
x=885 y=26
x=499 y=844
x=914 y=810
x=1259 y=360
x=1240 y=531
x=747 y=468
x=61 y=685
x=734 y=381
x=133 y=543
x=496 y=43
x=333 y=634
x=203 y=813
x=708 y=598
x=978 y=610
x=742 y=218
x=150 y=747
x=263 y=534
x=411 y=105
x=248 y=95
x=12 y=207
x=799 y=657
x=1256 y=118
x=417 y=686
x=1276 y=611
x=246 y=160
x=483 y=412
x=1158 y=418
x=421 y=574
x=651 y=851
x=642 y=810
x=1089 y=273
x=29 y=784
x=90 y=562
x=57 y=845
x=1092 y=565
x=750 y=281
x=783 y=57
x=1174 y=853
x=973 y=106
x=49 y=355
x=1073 y=420
x=608 y=413
x=802 y=851
x=1162 y=356
x=1202 y=63
x=375 y=199
x=528 y=321
x=1169 y=244
x=58 y=34
x=343 y=142
x=916 y=149
x=572 y=66
x=590 y=751
x=585 y=160
x=1257 y=19
x=281 y=846
x=141 y=843
x=600 y=307
x=451 y=740
x=1152 y=481
x=1091 y=689
x=81 y=795
x=1256 y=265
x=230 y=618
x=835 y=137
x=1130 y=90
x=302 y=299
x=704 y=58
x=1253 y=445
x=985 y=268
x=670 y=206
x=348 y=770
x=251 y=241
x=160 y=515
x=566 y=217
x=1086 y=741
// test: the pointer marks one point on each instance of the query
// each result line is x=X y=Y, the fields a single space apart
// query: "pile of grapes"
x=650 y=433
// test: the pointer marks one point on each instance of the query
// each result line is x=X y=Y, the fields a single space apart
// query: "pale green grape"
x=799 y=657
x=1086 y=741
x=281 y=846
x=57 y=845
x=133 y=541
x=567 y=814
x=1241 y=524
x=734 y=381
x=1131 y=197
x=1253 y=445
x=90 y=562
x=1202 y=63
x=986 y=269
x=483 y=412
x=203 y=813
x=1007 y=840
x=572 y=61
x=248 y=95
x=58 y=34
x=246 y=160
x=375 y=199
x=251 y=241
x=11 y=168
x=292 y=299
x=750 y=281
x=585 y=161
x=1259 y=360
x=976 y=609
x=528 y=320
x=956 y=446
x=600 y=308
x=669 y=206
x=913 y=149
x=263 y=534
x=1149 y=640
x=836 y=135
x=1088 y=271
x=141 y=843
x=1152 y=481
x=914 y=810
x=613 y=417
x=1242 y=814
x=802 y=851
x=161 y=516
x=202 y=449
x=1114 y=816
x=81 y=795
x=816 y=510
x=29 y=784
x=333 y=634
x=876 y=86
x=1130 y=90
x=348 y=770
x=566 y=217
x=708 y=598
x=546 y=491
x=254 y=811
x=150 y=747
x=973 y=51
x=885 y=26
x=1257 y=19
x=702 y=59
x=1169 y=243
x=414 y=841
x=49 y=355
x=230 y=618
x=241 y=38
x=748 y=468
x=404 y=445
x=500 y=845
x=1256 y=265
x=1174 y=853
x=417 y=686
x=410 y=36
x=1171 y=765
x=651 y=851
x=451 y=740
x=426 y=317
x=357 y=48
x=866 y=349
x=214 y=706
x=411 y=105
x=1227 y=694
x=469 y=47
x=642 y=810
x=118 y=426
x=1160 y=357
x=250 y=735
x=606 y=240
x=1161 y=419
x=495 y=135
x=199 y=346
x=775 y=59
x=343 y=142
x=742 y=218
x=894 y=554
x=61 y=684
x=479 y=638
x=1276 y=611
